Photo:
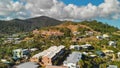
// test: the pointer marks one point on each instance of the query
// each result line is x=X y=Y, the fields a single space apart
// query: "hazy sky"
x=102 y=10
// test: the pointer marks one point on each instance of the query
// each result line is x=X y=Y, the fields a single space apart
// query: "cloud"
x=9 y=9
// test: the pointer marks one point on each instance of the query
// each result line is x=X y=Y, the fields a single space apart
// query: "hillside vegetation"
x=17 y=25
x=99 y=26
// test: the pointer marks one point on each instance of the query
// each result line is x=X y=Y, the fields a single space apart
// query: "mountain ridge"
x=18 y=25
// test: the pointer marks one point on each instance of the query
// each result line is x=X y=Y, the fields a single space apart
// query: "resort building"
x=47 y=57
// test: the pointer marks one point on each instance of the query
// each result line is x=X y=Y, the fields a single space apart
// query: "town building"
x=112 y=66
x=20 y=53
x=48 y=57
x=76 y=33
x=99 y=37
x=72 y=60
x=118 y=55
x=76 y=47
x=112 y=43
x=100 y=53
x=80 y=47
x=106 y=36
x=108 y=52
x=89 y=33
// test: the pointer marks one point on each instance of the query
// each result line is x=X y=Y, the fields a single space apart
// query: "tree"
x=81 y=63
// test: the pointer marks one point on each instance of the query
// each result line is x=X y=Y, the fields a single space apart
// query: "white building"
x=112 y=43
x=49 y=56
x=112 y=66
x=78 y=47
x=72 y=60
x=106 y=36
x=20 y=53
x=118 y=54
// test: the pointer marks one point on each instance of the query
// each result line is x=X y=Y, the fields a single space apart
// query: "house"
x=118 y=54
x=99 y=37
x=49 y=66
x=27 y=65
x=80 y=47
x=112 y=66
x=20 y=53
x=100 y=53
x=5 y=61
x=72 y=60
x=106 y=36
x=93 y=56
x=48 y=57
x=12 y=40
x=108 y=52
x=87 y=46
x=112 y=43
x=76 y=47
x=33 y=49
x=76 y=33
x=89 y=33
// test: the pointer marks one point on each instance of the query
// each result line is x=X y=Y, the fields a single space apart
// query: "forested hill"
x=99 y=26
x=17 y=25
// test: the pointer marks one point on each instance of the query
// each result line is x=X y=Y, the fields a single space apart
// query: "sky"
x=107 y=11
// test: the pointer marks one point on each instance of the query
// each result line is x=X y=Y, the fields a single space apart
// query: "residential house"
x=72 y=60
x=100 y=53
x=12 y=40
x=99 y=37
x=33 y=49
x=118 y=55
x=76 y=33
x=87 y=46
x=106 y=36
x=27 y=65
x=89 y=33
x=48 y=57
x=108 y=52
x=20 y=53
x=112 y=43
x=80 y=47
x=93 y=56
x=76 y=47
x=112 y=66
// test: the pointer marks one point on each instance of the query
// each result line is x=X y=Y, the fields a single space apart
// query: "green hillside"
x=17 y=25
x=99 y=26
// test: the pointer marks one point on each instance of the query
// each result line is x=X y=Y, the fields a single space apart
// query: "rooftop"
x=74 y=57
x=28 y=65
x=112 y=66
x=50 y=52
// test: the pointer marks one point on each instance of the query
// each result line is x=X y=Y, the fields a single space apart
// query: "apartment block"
x=47 y=57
